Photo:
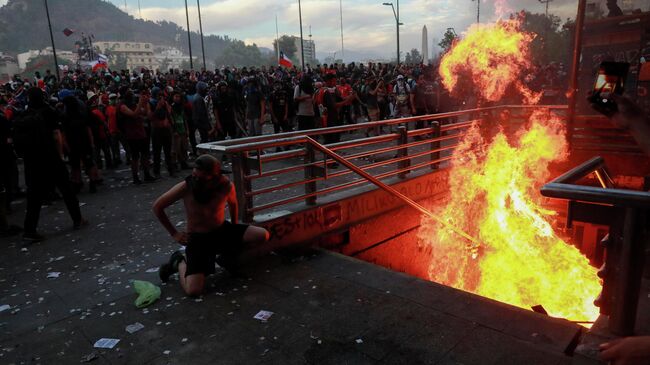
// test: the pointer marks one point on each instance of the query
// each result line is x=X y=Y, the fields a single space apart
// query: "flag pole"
x=277 y=38
x=189 y=39
x=49 y=24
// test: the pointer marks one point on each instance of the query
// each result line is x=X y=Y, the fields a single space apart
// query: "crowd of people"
x=146 y=118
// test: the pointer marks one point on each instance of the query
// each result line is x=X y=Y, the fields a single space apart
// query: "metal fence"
x=272 y=172
x=625 y=212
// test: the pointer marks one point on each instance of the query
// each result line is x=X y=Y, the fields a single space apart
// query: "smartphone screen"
x=610 y=80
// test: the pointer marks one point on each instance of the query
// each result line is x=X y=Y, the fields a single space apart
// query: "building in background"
x=24 y=58
x=170 y=57
x=132 y=55
x=309 y=50
x=8 y=67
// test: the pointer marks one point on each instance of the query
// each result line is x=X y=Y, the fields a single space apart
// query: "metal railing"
x=626 y=214
x=268 y=180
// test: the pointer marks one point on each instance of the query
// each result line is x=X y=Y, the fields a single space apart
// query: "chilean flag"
x=285 y=61
x=68 y=32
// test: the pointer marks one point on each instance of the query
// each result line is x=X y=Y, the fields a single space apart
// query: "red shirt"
x=345 y=90
x=111 y=115
x=101 y=133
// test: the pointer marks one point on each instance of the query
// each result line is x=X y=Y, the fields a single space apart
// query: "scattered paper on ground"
x=135 y=327
x=263 y=315
x=106 y=343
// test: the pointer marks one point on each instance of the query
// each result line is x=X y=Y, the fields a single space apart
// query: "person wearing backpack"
x=38 y=140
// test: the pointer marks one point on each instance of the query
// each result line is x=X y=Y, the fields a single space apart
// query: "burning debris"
x=491 y=58
x=495 y=196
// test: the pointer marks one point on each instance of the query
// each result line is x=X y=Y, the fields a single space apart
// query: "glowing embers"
x=495 y=197
x=490 y=59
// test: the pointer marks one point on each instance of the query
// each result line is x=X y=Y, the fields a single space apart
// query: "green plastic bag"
x=148 y=293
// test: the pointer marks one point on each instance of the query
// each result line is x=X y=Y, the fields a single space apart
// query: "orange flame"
x=494 y=193
x=493 y=58
x=494 y=197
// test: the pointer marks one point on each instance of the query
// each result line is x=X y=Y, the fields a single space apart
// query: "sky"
x=368 y=26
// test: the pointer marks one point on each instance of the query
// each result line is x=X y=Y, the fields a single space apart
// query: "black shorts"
x=202 y=248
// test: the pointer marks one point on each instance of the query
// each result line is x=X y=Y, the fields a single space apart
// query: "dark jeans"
x=103 y=146
x=281 y=126
x=306 y=122
x=9 y=168
x=161 y=139
x=116 y=140
x=39 y=179
x=192 y=135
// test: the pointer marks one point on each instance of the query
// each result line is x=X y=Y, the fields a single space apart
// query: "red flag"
x=285 y=61
x=68 y=31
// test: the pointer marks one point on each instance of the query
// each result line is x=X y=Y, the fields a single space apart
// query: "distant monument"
x=425 y=46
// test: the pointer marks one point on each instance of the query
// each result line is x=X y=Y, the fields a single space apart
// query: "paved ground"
x=328 y=309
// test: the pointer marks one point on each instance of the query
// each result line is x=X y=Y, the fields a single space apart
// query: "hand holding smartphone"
x=610 y=81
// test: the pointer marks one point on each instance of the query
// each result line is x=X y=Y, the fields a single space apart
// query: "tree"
x=552 y=42
x=240 y=54
x=42 y=63
x=448 y=39
x=287 y=46
x=413 y=57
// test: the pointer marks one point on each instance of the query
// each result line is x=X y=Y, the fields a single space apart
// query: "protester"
x=304 y=96
x=39 y=141
x=255 y=107
x=133 y=112
x=161 y=131
x=180 y=131
x=205 y=194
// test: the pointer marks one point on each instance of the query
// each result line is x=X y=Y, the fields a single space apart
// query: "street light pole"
x=546 y=2
x=396 y=14
x=302 y=46
x=198 y=5
x=49 y=24
x=478 y=11
x=189 y=39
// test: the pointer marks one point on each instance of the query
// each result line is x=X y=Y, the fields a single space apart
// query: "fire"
x=494 y=197
x=494 y=193
x=492 y=57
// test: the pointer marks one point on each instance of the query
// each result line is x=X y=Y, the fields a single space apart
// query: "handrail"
x=388 y=189
x=625 y=212
x=225 y=145
x=251 y=158
x=562 y=188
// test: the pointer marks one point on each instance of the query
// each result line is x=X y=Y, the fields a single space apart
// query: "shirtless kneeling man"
x=205 y=194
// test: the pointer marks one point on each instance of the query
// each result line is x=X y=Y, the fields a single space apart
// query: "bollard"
x=403 y=152
x=435 y=133
x=310 y=187
x=243 y=186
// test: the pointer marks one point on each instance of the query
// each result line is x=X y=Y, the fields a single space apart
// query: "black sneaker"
x=80 y=223
x=32 y=237
x=168 y=269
